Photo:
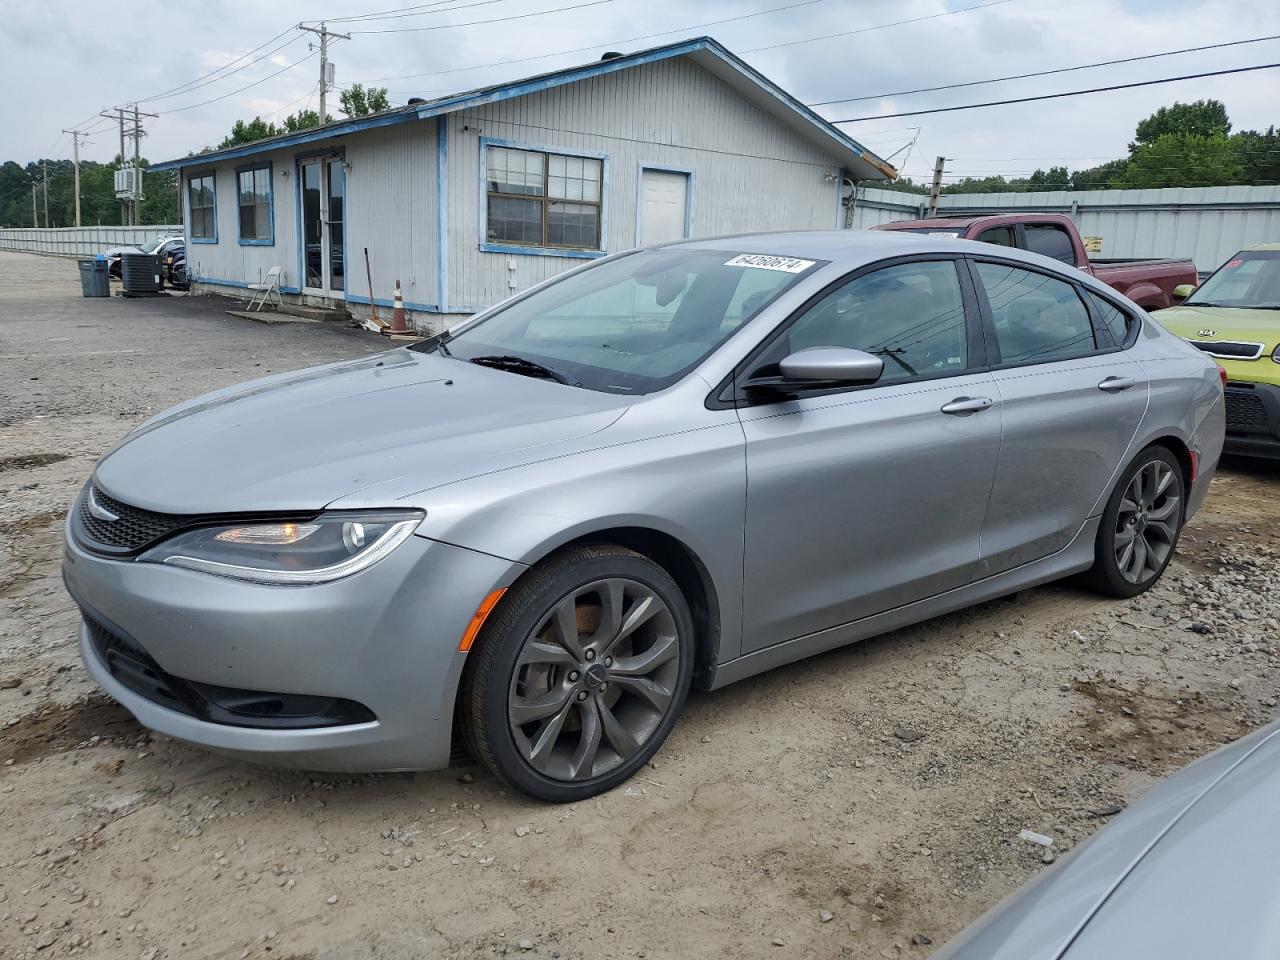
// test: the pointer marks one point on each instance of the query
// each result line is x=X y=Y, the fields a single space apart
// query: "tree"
x=1101 y=177
x=255 y=129
x=1204 y=118
x=1055 y=178
x=1258 y=155
x=302 y=120
x=1182 y=160
x=358 y=102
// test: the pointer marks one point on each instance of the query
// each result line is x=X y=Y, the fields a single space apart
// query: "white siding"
x=391 y=209
x=750 y=172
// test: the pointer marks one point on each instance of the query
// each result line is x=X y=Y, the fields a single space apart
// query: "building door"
x=323 y=182
x=664 y=206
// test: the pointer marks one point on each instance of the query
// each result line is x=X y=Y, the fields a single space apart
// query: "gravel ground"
x=865 y=803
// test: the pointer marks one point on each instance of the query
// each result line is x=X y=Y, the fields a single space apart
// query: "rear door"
x=1072 y=401
x=864 y=498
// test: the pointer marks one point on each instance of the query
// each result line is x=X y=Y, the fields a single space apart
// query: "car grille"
x=1245 y=409
x=134 y=529
x=1230 y=349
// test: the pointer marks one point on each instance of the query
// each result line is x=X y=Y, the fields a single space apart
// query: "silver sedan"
x=680 y=465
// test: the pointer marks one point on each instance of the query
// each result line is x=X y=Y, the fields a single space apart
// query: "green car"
x=1234 y=316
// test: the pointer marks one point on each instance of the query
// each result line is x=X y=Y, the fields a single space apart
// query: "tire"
x=561 y=700
x=1139 y=531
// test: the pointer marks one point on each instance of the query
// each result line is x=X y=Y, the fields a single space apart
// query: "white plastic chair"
x=265 y=287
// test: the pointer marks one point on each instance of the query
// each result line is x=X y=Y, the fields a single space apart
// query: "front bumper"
x=1253 y=419
x=385 y=638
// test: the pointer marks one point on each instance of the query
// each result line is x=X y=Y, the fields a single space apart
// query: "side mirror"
x=834 y=365
x=1183 y=290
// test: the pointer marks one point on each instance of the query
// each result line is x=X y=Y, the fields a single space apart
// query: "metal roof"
x=860 y=163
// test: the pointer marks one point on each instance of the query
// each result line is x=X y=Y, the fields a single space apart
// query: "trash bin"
x=94 y=281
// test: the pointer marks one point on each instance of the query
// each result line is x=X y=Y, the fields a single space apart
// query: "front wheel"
x=580 y=674
x=1140 y=525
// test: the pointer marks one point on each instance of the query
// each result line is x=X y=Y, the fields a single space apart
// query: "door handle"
x=1116 y=384
x=967 y=405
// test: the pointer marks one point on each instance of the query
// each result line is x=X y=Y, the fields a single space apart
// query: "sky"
x=56 y=78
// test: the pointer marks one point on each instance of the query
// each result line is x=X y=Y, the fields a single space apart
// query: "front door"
x=323 y=182
x=664 y=206
x=1073 y=400
x=863 y=499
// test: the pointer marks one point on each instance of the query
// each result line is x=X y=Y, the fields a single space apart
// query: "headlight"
x=1275 y=354
x=332 y=546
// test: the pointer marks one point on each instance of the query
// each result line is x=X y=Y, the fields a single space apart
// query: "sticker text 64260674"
x=763 y=261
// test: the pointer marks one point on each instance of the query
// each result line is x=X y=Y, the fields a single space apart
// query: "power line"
x=653 y=36
x=517 y=16
x=192 y=106
x=193 y=86
x=881 y=26
x=183 y=86
x=1045 y=73
x=1067 y=93
x=403 y=12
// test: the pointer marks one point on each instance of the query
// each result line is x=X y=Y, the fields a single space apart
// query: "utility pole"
x=119 y=115
x=936 y=189
x=44 y=169
x=326 y=68
x=35 y=211
x=75 y=152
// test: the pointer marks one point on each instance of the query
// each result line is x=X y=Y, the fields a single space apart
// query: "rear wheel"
x=580 y=674
x=1140 y=525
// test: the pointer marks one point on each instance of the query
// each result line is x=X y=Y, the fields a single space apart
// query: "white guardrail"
x=80 y=241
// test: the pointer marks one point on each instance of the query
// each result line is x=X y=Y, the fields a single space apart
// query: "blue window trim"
x=186 y=205
x=641 y=167
x=269 y=241
x=519 y=249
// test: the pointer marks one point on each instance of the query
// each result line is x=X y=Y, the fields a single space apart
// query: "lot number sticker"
x=764 y=262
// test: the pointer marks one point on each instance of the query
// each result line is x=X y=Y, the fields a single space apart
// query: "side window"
x=1050 y=240
x=1116 y=320
x=1000 y=236
x=1036 y=317
x=911 y=314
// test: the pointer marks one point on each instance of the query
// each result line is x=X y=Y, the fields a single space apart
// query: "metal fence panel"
x=80 y=241
x=1205 y=224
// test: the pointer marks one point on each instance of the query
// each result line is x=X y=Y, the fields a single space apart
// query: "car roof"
x=850 y=249
x=1263 y=246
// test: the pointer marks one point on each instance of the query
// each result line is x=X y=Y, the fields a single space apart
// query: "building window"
x=255 y=205
x=200 y=199
x=541 y=199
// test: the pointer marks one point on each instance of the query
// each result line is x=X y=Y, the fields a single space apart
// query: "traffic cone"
x=398 y=324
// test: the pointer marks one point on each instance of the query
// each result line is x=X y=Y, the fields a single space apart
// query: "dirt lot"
x=860 y=804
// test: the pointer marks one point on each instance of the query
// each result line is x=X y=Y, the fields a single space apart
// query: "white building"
x=468 y=198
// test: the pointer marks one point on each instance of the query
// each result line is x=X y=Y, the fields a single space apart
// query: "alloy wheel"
x=1147 y=523
x=594 y=679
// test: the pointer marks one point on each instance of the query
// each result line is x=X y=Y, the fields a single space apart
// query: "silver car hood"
x=298 y=441
x=1188 y=871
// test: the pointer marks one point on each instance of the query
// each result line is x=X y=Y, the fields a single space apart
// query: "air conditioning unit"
x=128 y=183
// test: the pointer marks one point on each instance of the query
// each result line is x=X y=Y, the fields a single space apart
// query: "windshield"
x=155 y=245
x=635 y=324
x=1249 y=279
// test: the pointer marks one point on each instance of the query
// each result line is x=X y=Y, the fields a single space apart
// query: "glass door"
x=323 y=183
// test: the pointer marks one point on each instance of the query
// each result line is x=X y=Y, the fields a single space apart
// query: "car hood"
x=299 y=441
x=1188 y=864
x=1227 y=323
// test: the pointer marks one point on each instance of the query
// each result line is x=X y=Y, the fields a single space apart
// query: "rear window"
x=1113 y=318
x=1050 y=240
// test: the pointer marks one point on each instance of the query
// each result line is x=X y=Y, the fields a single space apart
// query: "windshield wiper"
x=526 y=368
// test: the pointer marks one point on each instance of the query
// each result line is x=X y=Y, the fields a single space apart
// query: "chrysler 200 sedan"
x=687 y=464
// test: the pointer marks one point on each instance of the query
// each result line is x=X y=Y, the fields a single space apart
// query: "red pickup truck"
x=1148 y=283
